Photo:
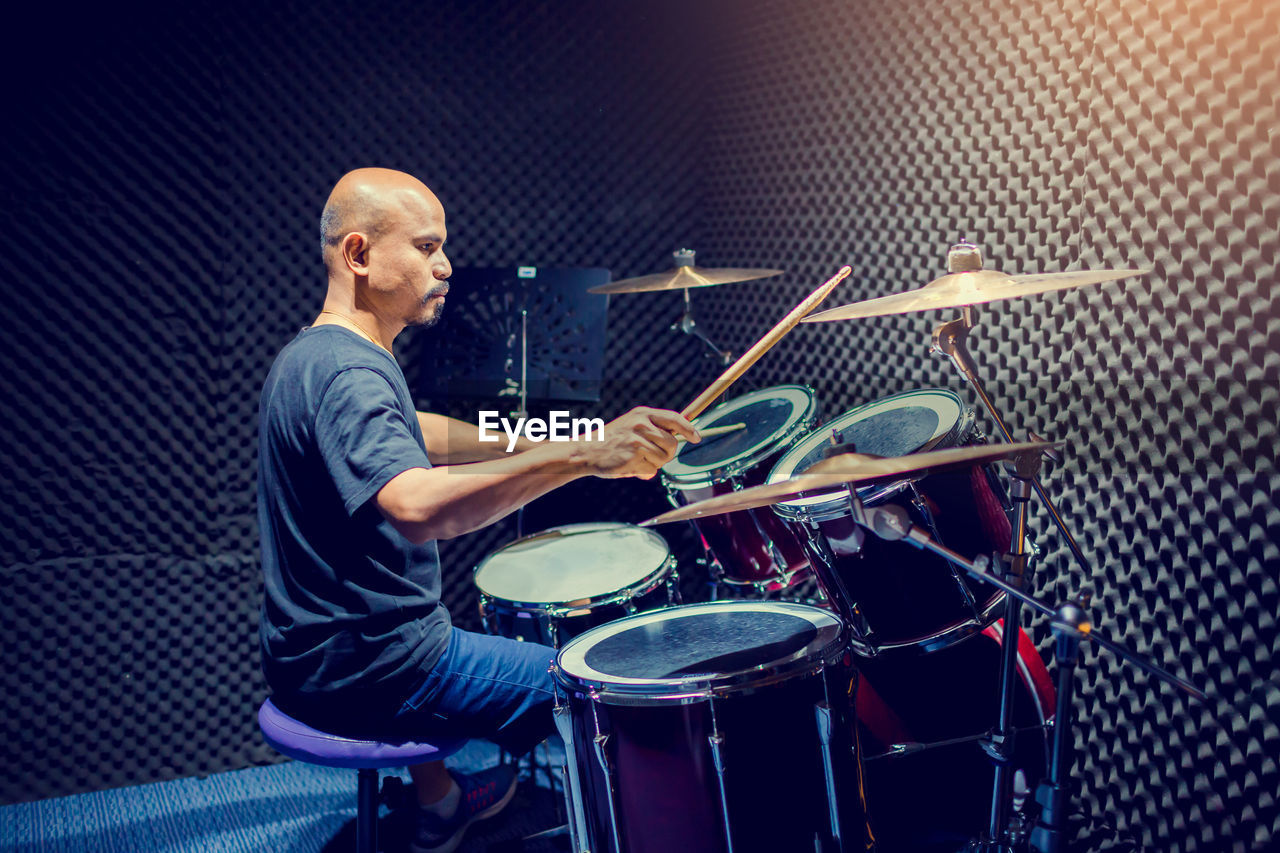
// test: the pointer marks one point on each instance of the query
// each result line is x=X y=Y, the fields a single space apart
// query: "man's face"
x=408 y=268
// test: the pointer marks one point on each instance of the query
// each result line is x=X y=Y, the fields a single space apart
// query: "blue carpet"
x=292 y=807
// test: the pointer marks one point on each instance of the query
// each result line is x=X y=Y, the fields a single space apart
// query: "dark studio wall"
x=1058 y=136
x=164 y=179
x=161 y=188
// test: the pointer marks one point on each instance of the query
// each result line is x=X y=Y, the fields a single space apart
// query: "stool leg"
x=367 y=812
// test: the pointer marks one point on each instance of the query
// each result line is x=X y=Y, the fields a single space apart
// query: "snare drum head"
x=573 y=564
x=698 y=647
x=773 y=416
x=895 y=426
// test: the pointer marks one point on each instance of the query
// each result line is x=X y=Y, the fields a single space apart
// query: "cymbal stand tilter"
x=686 y=323
x=1070 y=624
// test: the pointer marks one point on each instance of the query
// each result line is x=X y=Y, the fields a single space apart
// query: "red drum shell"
x=944 y=793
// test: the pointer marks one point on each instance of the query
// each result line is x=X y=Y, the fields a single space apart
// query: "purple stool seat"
x=298 y=740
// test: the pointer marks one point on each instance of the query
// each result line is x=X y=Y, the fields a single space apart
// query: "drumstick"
x=751 y=356
x=712 y=432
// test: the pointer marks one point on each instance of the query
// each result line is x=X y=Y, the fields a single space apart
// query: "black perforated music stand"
x=501 y=323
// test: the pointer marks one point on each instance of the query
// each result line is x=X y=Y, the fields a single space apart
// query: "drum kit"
x=890 y=710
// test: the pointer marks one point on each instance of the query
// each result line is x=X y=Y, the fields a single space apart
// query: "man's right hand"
x=638 y=443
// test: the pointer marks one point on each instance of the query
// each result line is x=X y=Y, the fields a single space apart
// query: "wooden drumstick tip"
x=712 y=432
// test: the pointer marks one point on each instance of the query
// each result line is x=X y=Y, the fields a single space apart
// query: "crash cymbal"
x=956 y=290
x=681 y=277
x=848 y=468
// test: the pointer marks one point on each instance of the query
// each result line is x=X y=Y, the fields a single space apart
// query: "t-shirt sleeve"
x=363 y=437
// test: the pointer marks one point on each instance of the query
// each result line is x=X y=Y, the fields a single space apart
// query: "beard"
x=431 y=316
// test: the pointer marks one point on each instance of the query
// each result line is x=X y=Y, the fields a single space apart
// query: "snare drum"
x=749 y=546
x=712 y=727
x=553 y=585
x=892 y=594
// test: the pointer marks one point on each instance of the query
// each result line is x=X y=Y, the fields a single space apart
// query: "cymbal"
x=678 y=278
x=848 y=468
x=956 y=290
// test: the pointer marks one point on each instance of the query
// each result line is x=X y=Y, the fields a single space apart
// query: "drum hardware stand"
x=914 y=747
x=573 y=786
x=716 y=740
x=999 y=746
x=686 y=323
x=823 y=711
x=1070 y=626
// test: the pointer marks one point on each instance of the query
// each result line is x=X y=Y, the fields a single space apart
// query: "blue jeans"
x=485 y=687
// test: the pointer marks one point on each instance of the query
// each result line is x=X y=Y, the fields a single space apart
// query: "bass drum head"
x=906 y=423
x=576 y=564
x=698 y=648
x=773 y=417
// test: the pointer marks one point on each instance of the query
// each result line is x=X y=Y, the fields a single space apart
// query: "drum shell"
x=665 y=785
x=554 y=624
x=893 y=594
x=919 y=800
x=751 y=546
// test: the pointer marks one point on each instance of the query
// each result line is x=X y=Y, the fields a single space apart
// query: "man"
x=355 y=487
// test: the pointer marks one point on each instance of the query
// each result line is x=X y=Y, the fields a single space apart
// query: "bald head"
x=370 y=201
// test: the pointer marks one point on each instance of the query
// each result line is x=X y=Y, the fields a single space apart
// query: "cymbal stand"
x=686 y=323
x=1070 y=625
x=950 y=339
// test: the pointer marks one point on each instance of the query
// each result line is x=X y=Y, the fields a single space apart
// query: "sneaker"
x=484 y=794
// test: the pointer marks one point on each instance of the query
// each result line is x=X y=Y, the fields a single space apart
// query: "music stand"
x=508 y=329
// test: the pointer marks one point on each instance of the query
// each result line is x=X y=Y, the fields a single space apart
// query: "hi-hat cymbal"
x=678 y=278
x=956 y=290
x=848 y=468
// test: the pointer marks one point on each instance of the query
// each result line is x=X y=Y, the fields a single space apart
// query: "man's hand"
x=637 y=444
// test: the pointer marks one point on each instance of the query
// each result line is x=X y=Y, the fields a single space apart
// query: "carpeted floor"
x=291 y=808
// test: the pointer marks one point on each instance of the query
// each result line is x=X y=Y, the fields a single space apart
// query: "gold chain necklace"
x=364 y=331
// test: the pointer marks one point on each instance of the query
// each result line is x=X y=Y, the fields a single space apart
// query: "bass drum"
x=928 y=779
x=712 y=727
x=551 y=586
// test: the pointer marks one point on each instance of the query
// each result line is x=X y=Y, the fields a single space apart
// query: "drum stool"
x=299 y=741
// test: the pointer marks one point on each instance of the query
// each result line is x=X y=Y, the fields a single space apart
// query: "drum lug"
x=573 y=786
x=716 y=741
x=823 y=713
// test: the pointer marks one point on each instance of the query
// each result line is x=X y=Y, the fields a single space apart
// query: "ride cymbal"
x=956 y=290
x=848 y=468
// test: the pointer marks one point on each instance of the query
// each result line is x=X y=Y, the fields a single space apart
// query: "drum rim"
x=559 y=609
x=837 y=502
x=724 y=470
x=828 y=646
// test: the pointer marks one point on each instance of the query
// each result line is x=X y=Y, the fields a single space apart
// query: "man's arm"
x=443 y=502
x=454 y=442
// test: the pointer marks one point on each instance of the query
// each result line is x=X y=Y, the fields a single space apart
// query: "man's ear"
x=355 y=252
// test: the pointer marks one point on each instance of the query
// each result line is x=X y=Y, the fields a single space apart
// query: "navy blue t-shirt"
x=351 y=618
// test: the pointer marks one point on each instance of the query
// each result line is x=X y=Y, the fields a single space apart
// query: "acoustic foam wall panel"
x=1113 y=134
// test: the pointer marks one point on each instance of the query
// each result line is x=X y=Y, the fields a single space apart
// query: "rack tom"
x=749 y=547
x=892 y=594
